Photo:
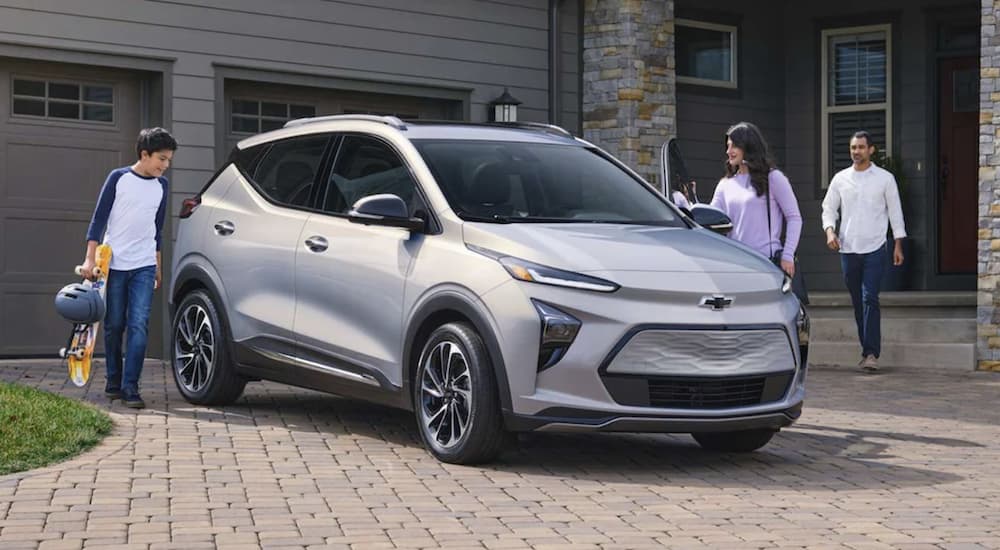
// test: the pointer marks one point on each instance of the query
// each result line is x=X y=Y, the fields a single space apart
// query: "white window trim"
x=732 y=83
x=825 y=108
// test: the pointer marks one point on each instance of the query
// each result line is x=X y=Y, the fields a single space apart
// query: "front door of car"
x=350 y=277
x=253 y=234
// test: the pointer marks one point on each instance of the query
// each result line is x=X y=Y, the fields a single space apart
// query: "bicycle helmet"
x=80 y=303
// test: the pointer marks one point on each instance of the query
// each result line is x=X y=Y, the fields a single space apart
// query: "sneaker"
x=870 y=364
x=134 y=402
x=112 y=392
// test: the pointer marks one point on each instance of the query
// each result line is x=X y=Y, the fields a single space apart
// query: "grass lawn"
x=39 y=428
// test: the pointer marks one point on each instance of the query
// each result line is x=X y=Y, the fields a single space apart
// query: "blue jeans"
x=863 y=277
x=129 y=297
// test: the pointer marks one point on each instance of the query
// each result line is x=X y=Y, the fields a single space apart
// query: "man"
x=867 y=199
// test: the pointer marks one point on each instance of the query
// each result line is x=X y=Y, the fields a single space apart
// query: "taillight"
x=188 y=206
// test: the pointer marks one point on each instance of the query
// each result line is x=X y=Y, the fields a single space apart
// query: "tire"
x=734 y=442
x=458 y=411
x=200 y=362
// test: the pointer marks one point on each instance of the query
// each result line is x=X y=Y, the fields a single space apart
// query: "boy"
x=131 y=207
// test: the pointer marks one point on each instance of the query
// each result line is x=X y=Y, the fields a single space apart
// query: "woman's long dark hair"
x=756 y=156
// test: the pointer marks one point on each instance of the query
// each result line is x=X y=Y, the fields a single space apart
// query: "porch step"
x=919 y=330
x=896 y=354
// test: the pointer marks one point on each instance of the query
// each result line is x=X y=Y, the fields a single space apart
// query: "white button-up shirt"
x=867 y=201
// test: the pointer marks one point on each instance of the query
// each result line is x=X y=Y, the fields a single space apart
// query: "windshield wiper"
x=495 y=218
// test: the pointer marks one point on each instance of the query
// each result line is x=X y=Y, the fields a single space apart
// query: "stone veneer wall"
x=988 y=316
x=629 y=84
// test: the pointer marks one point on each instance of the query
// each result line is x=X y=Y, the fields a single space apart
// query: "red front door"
x=958 y=164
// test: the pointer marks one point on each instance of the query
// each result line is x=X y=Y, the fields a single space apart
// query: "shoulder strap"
x=767 y=205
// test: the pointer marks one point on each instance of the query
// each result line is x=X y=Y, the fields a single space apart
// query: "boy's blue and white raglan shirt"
x=131 y=207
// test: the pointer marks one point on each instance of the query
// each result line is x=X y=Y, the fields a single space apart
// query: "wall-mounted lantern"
x=505 y=107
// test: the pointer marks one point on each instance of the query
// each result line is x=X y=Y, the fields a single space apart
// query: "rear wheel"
x=743 y=441
x=201 y=365
x=455 y=397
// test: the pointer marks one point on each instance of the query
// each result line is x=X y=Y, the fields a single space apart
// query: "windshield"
x=508 y=182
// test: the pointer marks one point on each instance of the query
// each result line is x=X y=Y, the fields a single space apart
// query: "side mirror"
x=387 y=210
x=711 y=218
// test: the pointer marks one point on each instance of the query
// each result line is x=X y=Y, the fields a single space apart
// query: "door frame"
x=933 y=278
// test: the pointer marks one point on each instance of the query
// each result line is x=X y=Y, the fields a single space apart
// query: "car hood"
x=618 y=247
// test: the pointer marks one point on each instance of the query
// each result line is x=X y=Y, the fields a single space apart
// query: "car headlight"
x=530 y=272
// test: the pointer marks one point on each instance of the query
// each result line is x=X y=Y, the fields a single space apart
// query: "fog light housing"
x=558 y=330
x=803 y=325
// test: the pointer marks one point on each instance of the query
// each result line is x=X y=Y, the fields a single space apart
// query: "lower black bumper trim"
x=575 y=420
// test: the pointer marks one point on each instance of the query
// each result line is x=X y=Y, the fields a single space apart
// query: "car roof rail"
x=541 y=126
x=384 y=119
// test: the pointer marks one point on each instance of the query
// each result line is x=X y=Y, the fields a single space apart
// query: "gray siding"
x=780 y=91
x=474 y=46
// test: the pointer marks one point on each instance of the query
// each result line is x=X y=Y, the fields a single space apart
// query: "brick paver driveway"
x=904 y=459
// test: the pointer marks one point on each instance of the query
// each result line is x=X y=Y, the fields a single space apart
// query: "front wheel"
x=743 y=441
x=202 y=369
x=455 y=397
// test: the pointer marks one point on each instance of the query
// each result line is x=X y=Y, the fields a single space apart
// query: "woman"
x=751 y=179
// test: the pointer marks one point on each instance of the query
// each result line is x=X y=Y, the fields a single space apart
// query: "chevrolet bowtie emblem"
x=717 y=302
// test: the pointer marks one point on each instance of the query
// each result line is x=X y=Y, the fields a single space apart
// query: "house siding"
x=474 y=46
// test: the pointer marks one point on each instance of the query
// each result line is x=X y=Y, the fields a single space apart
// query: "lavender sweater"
x=737 y=198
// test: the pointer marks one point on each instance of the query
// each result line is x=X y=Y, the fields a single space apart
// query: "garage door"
x=62 y=128
x=254 y=107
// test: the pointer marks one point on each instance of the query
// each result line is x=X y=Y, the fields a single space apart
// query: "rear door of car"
x=253 y=234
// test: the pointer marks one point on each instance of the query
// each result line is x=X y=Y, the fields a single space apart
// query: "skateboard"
x=80 y=346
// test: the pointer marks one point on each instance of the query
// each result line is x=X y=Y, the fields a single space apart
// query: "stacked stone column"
x=629 y=84
x=988 y=315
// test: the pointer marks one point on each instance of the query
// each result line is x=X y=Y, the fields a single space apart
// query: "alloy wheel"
x=445 y=395
x=194 y=348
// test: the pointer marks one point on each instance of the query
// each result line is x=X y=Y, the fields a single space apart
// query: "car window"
x=246 y=159
x=521 y=181
x=364 y=167
x=287 y=171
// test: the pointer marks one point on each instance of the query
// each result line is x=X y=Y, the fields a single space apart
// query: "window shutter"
x=843 y=126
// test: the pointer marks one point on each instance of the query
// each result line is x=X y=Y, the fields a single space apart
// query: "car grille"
x=680 y=352
x=698 y=393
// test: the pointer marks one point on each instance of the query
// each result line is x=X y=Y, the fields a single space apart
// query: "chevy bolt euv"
x=490 y=278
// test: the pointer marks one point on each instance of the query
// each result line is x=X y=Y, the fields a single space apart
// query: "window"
x=251 y=116
x=705 y=53
x=63 y=100
x=365 y=167
x=287 y=171
x=857 y=92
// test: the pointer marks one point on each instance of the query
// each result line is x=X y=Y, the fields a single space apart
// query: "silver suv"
x=491 y=278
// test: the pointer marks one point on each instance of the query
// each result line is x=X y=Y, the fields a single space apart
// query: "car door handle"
x=317 y=243
x=224 y=228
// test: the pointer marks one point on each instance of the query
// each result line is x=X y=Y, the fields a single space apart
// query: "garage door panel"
x=39 y=247
x=81 y=173
x=30 y=323
x=51 y=173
